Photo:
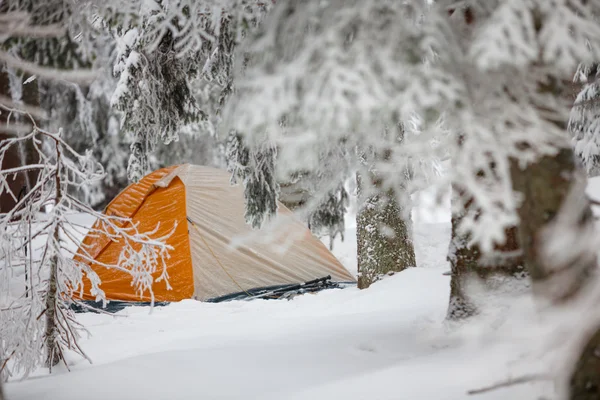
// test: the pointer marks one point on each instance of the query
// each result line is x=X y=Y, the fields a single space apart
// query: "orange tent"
x=209 y=216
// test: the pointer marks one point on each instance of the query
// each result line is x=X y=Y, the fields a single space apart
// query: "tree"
x=158 y=83
x=543 y=186
x=351 y=68
x=584 y=380
x=255 y=169
x=585 y=117
x=169 y=45
x=494 y=270
x=35 y=42
x=305 y=125
x=497 y=270
x=328 y=218
x=384 y=240
x=55 y=278
x=320 y=196
x=391 y=80
x=383 y=225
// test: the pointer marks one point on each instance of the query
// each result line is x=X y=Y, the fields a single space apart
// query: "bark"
x=549 y=185
x=585 y=380
x=559 y=283
x=467 y=264
x=53 y=354
x=1 y=392
x=384 y=237
x=545 y=186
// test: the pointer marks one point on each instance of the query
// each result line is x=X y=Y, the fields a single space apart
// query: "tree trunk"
x=384 y=237
x=51 y=335
x=545 y=186
x=53 y=355
x=585 y=380
x=549 y=186
x=463 y=261
x=468 y=264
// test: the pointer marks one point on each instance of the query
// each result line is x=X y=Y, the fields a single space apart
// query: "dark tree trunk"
x=12 y=158
x=467 y=264
x=549 y=186
x=18 y=155
x=553 y=190
x=545 y=186
x=384 y=236
x=585 y=380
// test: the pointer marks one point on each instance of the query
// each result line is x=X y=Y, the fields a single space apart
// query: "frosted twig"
x=60 y=170
x=512 y=382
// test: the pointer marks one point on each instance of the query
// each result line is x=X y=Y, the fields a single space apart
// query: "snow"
x=387 y=342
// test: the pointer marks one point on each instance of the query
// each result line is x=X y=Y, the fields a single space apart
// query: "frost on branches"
x=348 y=69
x=255 y=169
x=39 y=239
x=152 y=93
x=174 y=43
x=328 y=218
x=585 y=119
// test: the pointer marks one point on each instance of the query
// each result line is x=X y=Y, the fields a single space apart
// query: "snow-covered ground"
x=387 y=342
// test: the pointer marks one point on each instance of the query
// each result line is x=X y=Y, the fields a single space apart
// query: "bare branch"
x=8 y=104
x=15 y=129
x=24 y=168
x=512 y=382
x=82 y=76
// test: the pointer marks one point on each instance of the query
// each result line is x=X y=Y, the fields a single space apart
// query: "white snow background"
x=387 y=342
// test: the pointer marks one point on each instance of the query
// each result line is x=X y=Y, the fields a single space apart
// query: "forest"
x=418 y=184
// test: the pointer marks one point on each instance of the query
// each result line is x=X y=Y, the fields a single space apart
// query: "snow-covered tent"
x=209 y=216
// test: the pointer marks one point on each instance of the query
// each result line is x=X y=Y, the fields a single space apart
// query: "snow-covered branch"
x=485 y=95
x=37 y=238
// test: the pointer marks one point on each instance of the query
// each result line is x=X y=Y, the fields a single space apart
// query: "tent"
x=209 y=216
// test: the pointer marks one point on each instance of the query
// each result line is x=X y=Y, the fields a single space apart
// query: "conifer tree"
x=584 y=123
x=255 y=170
x=153 y=91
